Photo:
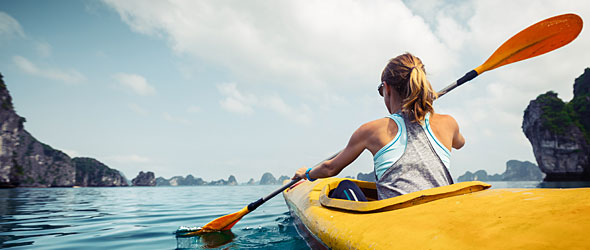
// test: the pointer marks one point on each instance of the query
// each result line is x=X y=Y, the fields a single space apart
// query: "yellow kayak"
x=465 y=215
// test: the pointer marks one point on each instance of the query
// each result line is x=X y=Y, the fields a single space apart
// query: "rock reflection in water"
x=206 y=240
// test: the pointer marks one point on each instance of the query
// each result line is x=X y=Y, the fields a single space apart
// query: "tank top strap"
x=417 y=169
x=442 y=151
x=391 y=152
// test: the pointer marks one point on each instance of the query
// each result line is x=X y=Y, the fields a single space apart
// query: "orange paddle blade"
x=222 y=223
x=535 y=40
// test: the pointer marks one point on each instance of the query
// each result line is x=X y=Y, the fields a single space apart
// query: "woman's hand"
x=300 y=173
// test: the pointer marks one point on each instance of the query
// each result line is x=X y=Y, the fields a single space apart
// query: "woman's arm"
x=458 y=140
x=355 y=147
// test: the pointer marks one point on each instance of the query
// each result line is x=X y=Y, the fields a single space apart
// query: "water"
x=141 y=218
x=147 y=217
x=538 y=184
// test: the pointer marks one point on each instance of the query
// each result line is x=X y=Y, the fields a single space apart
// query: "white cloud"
x=237 y=101
x=44 y=49
x=277 y=104
x=337 y=47
x=450 y=32
x=302 y=45
x=138 y=109
x=135 y=83
x=67 y=76
x=174 y=119
x=129 y=159
x=234 y=100
x=193 y=109
x=9 y=26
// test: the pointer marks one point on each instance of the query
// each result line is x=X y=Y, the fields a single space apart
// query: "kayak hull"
x=495 y=218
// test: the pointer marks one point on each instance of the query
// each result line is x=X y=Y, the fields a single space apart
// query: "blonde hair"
x=407 y=75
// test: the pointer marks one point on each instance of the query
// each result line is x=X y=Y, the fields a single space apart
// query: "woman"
x=411 y=147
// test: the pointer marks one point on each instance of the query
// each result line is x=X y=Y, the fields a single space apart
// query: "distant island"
x=190 y=180
x=147 y=179
x=560 y=132
x=515 y=171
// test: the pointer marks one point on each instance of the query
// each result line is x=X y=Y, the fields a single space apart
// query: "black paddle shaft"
x=259 y=202
x=467 y=77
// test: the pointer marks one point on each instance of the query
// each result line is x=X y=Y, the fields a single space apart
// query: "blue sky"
x=213 y=88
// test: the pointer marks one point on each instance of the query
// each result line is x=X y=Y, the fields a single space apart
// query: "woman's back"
x=382 y=131
x=420 y=158
x=414 y=160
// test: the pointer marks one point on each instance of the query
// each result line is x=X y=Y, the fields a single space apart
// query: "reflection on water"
x=563 y=184
x=140 y=218
x=144 y=217
x=207 y=240
x=539 y=184
x=283 y=236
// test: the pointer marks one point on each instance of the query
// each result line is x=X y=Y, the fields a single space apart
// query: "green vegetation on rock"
x=559 y=132
x=555 y=116
x=558 y=115
x=579 y=109
x=89 y=165
x=93 y=173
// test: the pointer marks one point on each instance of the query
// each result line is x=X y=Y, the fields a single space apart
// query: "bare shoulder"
x=446 y=128
x=374 y=125
x=376 y=134
x=444 y=119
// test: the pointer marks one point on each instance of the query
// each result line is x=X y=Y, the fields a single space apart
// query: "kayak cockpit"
x=402 y=201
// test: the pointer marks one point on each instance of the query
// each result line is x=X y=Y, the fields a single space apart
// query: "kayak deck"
x=399 y=202
x=496 y=218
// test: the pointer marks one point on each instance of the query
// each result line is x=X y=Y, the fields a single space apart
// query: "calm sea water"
x=147 y=217
x=141 y=218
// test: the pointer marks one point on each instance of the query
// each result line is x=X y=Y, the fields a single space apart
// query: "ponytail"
x=406 y=74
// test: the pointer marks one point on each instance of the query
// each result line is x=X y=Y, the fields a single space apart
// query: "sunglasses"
x=380 y=88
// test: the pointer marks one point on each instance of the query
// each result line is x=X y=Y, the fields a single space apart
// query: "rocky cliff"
x=269 y=179
x=26 y=162
x=144 y=179
x=479 y=175
x=93 y=173
x=231 y=181
x=522 y=171
x=190 y=180
x=560 y=132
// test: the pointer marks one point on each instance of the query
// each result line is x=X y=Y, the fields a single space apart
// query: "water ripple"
x=131 y=218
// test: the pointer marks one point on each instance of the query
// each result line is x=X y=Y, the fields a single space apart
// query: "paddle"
x=228 y=221
x=538 y=39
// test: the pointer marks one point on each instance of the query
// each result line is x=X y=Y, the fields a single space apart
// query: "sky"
x=214 y=88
